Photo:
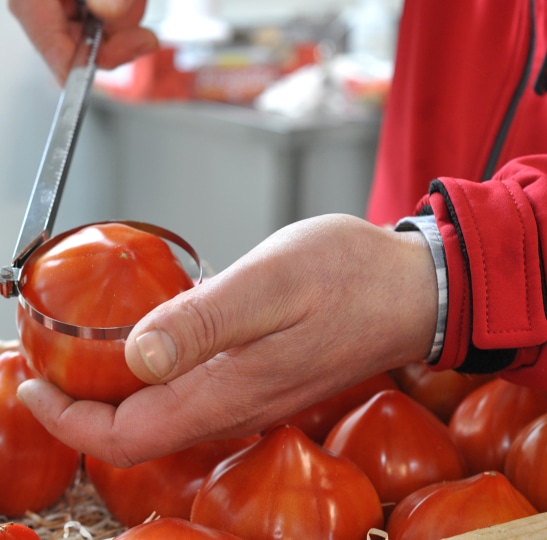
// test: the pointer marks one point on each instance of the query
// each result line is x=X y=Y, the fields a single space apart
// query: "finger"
x=208 y=403
x=49 y=29
x=153 y=422
x=76 y=423
x=213 y=317
x=125 y=46
x=129 y=12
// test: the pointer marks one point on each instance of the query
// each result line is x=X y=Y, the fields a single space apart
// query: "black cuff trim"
x=486 y=361
x=425 y=210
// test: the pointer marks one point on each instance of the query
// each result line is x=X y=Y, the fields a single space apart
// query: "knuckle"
x=207 y=325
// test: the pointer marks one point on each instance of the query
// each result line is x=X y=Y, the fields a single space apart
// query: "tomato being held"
x=35 y=468
x=165 y=486
x=103 y=275
x=173 y=529
x=399 y=444
x=446 y=509
x=287 y=486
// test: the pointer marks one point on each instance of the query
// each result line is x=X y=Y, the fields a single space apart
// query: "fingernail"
x=158 y=352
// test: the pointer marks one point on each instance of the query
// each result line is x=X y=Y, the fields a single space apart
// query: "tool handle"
x=48 y=187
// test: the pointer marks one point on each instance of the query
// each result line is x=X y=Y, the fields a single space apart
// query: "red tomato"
x=173 y=529
x=316 y=421
x=101 y=276
x=287 y=486
x=487 y=421
x=447 y=509
x=439 y=391
x=17 y=531
x=35 y=468
x=526 y=462
x=165 y=486
x=399 y=445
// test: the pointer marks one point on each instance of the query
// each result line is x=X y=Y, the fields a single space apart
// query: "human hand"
x=315 y=308
x=54 y=29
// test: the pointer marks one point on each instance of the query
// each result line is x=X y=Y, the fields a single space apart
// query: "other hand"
x=54 y=28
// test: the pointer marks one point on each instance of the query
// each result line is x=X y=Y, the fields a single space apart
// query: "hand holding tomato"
x=282 y=328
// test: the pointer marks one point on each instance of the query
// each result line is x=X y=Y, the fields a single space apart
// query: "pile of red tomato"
x=376 y=456
x=419 y=454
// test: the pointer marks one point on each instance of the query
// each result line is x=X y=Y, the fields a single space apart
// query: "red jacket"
x=467 y=99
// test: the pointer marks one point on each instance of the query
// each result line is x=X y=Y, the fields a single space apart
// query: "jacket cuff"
x=495 y=292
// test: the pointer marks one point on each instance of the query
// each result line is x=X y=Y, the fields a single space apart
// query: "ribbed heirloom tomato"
x=287 y=486
x=104 y=275
x=17 y=531
x=35 y=468
x=317 y=420
x=446 y=509
x=439 y=391
x=173 y=529
x=526 y=462
x=487 y=421
x=399 y=444
x=164 y=486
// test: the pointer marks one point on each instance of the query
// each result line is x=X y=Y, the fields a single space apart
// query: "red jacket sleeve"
x=495 y=241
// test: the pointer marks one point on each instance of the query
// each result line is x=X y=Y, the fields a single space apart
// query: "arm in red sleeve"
x=495 y=241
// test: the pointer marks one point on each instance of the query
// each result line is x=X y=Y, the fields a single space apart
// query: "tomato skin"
x=446 y=509
x=100 y=276
x=165 y=486
x=35 y=468
x=17 y=531
x=287 y=486
x=399 y=444
x=173 y=529
x=526 y=462
x=317 y=420
x=439 y=391
x=487 y=421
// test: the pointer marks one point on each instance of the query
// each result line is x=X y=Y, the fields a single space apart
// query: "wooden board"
x=530 y=528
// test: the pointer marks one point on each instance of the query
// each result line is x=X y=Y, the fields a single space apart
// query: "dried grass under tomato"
x=78 y=515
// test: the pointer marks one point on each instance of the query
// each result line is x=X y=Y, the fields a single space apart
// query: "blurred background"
x=252 y=116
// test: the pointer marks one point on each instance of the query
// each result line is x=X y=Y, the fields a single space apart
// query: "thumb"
x=208 y=319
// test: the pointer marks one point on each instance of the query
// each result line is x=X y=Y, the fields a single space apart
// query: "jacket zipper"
x=510 y=113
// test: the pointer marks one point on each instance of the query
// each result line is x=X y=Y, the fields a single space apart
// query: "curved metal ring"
x=90 y=332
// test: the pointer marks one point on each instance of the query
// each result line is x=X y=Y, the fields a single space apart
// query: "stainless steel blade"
x=48 y=186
